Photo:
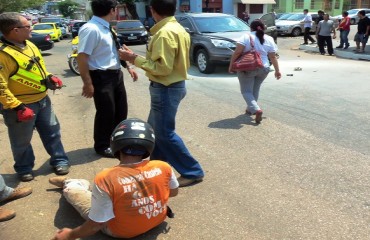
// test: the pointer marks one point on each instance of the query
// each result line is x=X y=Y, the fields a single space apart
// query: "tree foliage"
x=67 y=8
x=18 y=5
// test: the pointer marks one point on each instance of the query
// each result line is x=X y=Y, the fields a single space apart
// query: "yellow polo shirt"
x=167 y=58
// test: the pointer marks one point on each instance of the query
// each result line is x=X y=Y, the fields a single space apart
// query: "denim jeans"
x=344 y=38
x=169 y=146
x=5 y=191
x=250 y=84
x=20 y=135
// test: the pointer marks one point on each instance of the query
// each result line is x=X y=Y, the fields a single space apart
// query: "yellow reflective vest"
x=22 y=74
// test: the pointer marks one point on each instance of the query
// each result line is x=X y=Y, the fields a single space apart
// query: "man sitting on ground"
x=128 y=199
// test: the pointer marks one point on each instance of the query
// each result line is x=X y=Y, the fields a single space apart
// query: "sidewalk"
x=342 y=53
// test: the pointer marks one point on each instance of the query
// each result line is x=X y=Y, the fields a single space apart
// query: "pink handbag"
x=248 y=61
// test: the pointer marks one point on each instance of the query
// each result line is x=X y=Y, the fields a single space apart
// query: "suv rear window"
x=220 y=24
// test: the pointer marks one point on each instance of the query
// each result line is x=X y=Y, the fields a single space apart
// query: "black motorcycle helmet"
x=133 y=137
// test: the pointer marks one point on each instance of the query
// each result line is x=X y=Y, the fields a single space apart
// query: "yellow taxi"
x=48 y=28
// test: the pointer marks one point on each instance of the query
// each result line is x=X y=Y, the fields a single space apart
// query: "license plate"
x=131 y=38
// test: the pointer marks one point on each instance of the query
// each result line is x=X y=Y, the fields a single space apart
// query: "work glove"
x=53 y=82
x=24 y=113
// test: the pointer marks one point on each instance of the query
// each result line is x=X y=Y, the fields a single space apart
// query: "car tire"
x=57 y=40
x=296 y=32
x=203 y=63
x=353 y=21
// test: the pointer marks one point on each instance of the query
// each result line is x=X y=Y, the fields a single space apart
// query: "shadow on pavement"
x=233 y=123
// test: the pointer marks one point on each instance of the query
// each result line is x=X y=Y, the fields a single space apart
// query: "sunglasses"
x=28 y=26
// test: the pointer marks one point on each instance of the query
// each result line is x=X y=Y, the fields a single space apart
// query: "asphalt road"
x=301 y=174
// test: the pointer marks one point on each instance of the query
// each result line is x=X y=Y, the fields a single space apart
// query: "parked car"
x=131 y=31
x=284 y=16
x=214 y=36
x=76 y=27
x=352 y=13
x=42 y=41
x=49 y=28
x=113 y=24
x=294 y=24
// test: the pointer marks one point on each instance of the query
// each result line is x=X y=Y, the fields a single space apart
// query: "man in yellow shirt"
x=24 y=81
x=166 y=64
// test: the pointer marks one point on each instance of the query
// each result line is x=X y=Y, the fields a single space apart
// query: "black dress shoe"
x=26 y=177
x=339 y=46
x=61 y=169
x=346 y=47
x=106 y=153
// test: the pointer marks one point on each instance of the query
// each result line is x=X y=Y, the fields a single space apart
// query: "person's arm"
x=174 y=185
x=238 y=51
x=161 y=60
x=367 y=33
x=275 y=63
x=318 y=30
x=88 y=88
x=88 y=228
x=7 y=98
x=333 y=30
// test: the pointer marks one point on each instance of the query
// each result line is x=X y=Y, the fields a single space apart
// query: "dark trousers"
x=307 y=36
x=110 y=103
x=329 y=44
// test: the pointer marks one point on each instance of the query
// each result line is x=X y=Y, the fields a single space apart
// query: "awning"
x=258 y=1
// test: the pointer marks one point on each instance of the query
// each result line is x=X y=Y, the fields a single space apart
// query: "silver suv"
x=352 y=13
x=214 y=36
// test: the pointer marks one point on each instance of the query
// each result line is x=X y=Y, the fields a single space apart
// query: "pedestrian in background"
x=344 y=28
x=251 y=81
x=100 y=69
x=307 y=28
x=363 y=31
x=323 y=35
x=8 y=194
x=246 y=17
x=320 y=16
x=166 y=64
x=24 y=82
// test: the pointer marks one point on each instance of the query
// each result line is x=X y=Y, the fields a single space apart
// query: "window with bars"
x=299 y=4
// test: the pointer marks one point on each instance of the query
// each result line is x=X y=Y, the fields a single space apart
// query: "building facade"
x=255 y=8
x=333 y=7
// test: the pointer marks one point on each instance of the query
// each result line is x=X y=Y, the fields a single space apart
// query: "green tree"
x=17 y=5
x=67 y=8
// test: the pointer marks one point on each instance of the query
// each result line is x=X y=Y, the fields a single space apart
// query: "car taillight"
x=47 y=38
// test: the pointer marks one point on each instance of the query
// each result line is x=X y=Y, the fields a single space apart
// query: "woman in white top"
x=250 y=81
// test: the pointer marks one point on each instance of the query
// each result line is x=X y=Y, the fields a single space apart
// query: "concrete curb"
x=342 y=53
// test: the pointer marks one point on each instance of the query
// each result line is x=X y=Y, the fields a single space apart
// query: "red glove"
x=25 y=114
x=56 y=81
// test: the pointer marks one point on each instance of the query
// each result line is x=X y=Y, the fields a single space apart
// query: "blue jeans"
x=250 y=84
x=169 y=146
x=20 y=135
x=344 y=38
x=5 y=191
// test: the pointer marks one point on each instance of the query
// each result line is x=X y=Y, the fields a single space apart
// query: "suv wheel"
x=296 y=32
x=203 y=63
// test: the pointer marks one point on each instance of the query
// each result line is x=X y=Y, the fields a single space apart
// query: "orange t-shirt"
x=139 y=194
